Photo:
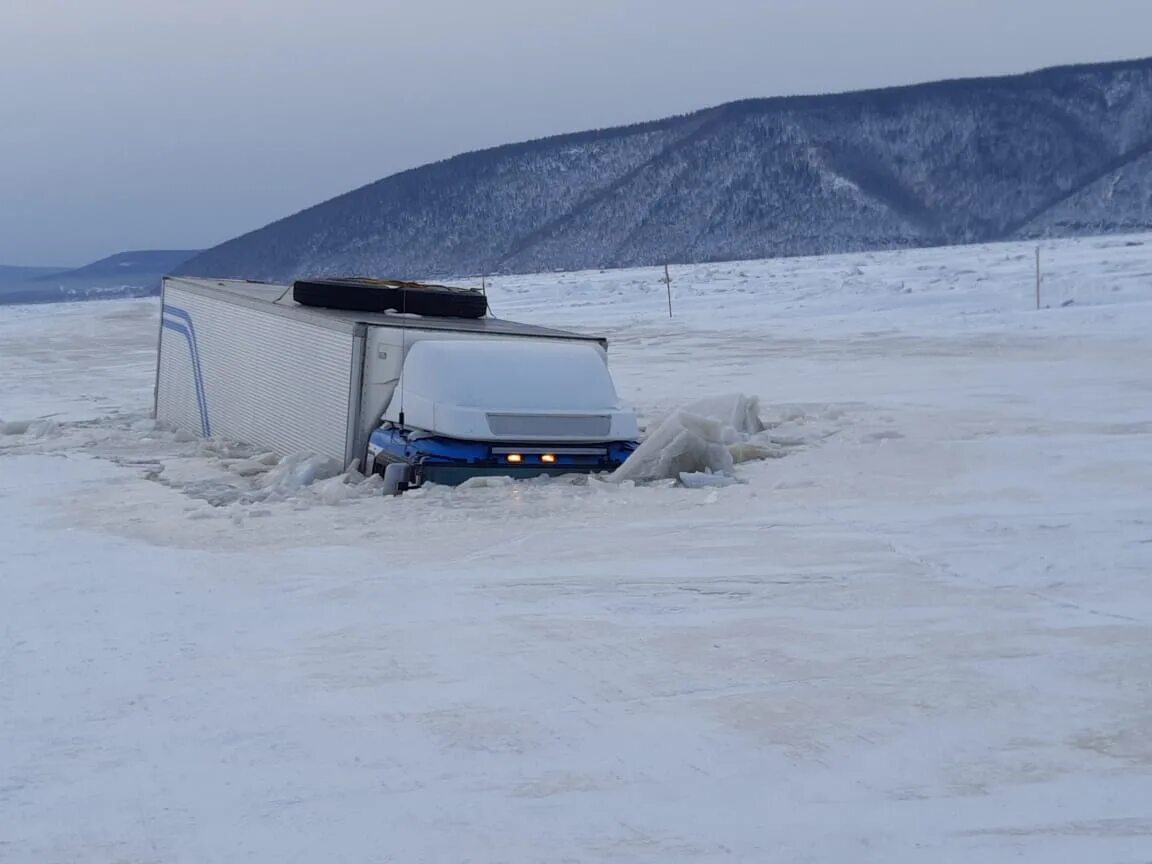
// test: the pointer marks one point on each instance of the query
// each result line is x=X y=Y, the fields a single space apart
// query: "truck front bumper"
x=454 y=475
x=450 y=462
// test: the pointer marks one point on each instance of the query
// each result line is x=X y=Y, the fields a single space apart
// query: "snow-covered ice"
x=923 y=633
x=702 y=442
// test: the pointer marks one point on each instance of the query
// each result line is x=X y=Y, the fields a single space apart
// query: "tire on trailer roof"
x=380 y=295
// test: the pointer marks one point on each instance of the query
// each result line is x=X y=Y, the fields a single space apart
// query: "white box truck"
x=445 y=398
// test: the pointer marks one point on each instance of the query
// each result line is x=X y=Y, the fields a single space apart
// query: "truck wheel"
x=389 y=295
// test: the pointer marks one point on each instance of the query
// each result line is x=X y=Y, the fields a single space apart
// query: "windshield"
x=510 y=375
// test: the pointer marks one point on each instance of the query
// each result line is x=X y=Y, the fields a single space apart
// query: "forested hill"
x=1054 y=152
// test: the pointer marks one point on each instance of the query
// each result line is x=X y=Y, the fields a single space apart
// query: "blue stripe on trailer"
x=185 y=327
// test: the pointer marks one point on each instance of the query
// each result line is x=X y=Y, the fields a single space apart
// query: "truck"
x=418 y=383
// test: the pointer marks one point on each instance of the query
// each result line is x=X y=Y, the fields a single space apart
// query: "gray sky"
x=128 y=124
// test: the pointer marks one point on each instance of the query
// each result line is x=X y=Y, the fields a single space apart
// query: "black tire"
x=387 y=295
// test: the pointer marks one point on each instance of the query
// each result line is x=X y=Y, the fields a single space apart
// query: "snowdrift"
x=702 y=442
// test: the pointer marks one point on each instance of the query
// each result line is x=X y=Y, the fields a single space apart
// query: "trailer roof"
x=276 y=298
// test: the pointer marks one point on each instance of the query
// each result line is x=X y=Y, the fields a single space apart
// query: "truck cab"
x=501 y=407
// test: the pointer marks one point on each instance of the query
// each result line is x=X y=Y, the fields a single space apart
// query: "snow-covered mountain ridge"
x=1057 y=152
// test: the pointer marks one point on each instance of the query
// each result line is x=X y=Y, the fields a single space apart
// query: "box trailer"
x=242 y=360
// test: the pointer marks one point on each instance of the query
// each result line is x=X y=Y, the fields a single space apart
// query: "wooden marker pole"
x=668 y=284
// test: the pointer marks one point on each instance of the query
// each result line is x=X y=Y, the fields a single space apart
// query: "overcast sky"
x=129 y=124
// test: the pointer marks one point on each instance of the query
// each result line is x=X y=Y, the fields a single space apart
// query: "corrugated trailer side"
x=231 y=369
